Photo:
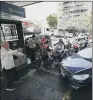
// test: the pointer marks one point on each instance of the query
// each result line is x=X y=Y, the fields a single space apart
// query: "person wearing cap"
x=7 y=63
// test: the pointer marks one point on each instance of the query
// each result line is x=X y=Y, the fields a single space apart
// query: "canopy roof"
x=23 y=3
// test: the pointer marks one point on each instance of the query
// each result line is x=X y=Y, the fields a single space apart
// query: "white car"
x=81 y=35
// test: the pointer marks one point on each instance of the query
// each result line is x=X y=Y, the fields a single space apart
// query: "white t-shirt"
x=7 y=60
x=31 y=43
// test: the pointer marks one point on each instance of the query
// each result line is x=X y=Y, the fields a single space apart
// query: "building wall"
x=71 y=10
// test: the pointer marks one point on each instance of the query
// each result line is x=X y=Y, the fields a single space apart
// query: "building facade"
x=69 y=10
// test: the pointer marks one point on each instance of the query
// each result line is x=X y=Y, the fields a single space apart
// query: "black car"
x=77 y=69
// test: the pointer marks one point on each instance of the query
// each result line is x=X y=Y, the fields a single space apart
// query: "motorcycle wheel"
x=38 y=64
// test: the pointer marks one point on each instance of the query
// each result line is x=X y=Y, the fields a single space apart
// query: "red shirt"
x=75 y=45
x=43 y=40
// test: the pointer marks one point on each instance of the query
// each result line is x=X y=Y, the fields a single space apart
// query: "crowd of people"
x=31 y=46
x=7 y=60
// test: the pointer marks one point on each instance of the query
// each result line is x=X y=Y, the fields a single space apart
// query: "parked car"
x=90 y=42
x=81 y=35
x=77 y=69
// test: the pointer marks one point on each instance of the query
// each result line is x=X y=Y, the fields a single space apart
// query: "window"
x=84 y=10
x=79 y=5
x=66 y=2
x=77 y=15
x=66 y=7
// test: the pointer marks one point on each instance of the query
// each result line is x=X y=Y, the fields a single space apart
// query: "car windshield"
x=86 y=53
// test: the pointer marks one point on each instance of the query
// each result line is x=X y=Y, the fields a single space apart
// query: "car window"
x=86 y=53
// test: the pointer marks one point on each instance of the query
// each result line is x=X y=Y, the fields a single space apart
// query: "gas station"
x=44 y=84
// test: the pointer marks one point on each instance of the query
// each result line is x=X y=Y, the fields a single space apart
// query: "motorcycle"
x=68 y=49
x=59 y=54
x=43 y=58
x=76 y=47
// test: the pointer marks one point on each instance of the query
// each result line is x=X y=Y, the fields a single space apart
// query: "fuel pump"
x=11 y=31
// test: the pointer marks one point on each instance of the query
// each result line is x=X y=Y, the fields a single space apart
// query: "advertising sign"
x=8 y=32
x=12 y=9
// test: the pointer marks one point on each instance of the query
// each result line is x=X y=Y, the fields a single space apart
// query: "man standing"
x=32 y=48
x=7 y=63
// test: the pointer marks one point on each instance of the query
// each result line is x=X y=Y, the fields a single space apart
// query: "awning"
x=7 y=8
x=14 y=9
x=23 y=3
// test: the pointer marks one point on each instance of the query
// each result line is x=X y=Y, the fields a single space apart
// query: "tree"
x=83 y=23
x=52 y=21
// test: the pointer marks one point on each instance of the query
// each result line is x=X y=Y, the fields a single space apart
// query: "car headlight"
x=80 y=77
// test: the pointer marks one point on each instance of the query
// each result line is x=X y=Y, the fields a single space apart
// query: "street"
x=44 y=85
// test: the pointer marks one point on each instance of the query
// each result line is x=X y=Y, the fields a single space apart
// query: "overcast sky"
x=39 y=11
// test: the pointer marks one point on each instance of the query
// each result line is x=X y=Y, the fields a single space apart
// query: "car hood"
x=76 y=63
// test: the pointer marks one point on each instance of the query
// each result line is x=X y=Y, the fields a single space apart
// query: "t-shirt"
x=43 y=40
x=31 y=43
x=7 y=60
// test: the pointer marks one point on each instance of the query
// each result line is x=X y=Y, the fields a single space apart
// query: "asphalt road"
x=44 y=85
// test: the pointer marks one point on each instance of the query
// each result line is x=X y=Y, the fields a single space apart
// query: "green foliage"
x=80 y=23
x=52 y=21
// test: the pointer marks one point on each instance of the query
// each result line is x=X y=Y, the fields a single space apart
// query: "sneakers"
x=17 y=81
x=10 y=89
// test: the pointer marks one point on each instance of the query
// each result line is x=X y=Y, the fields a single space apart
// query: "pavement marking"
x=67 y=95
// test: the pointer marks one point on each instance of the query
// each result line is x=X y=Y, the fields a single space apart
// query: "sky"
x=39 y=12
